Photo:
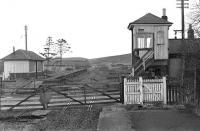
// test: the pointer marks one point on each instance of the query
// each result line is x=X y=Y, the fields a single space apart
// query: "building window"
x=149 y=42
x=160 y=38
x=140 y=30
x=144 y=40
x=141 y=42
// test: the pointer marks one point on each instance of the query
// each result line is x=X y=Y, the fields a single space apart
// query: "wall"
x=142 y=52
x=175 y=66
x=40 y=66
x=14 y=76
x=32 y=66
x=15 y=67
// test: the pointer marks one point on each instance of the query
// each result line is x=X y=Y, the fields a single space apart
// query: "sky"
x=93 y=28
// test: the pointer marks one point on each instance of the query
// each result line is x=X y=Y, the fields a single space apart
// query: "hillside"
x=72 y=62
x=79 y=62
x=118 y=59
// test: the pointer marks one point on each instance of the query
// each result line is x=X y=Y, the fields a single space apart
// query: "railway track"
x=89 y=98
x=63 y=94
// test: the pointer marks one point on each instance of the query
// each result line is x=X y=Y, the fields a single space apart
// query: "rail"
x=61 y=97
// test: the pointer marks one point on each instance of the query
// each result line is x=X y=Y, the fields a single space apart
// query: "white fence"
x=141 y=91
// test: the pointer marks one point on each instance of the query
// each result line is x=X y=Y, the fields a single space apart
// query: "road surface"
x=164 y=120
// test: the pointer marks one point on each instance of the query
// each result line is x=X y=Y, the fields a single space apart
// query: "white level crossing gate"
x=144 y=91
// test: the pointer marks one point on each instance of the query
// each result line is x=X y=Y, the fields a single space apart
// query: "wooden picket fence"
x=177 y=94
x=174 y=94
x=145 y=91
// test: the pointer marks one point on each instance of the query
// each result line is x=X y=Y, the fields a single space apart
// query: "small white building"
x=22 y=63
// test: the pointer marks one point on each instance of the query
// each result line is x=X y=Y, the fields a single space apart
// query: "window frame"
x=160 y=38
x=145 y=36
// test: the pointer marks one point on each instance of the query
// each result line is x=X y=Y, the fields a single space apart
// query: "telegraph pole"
x=182 y=4
x=26 y=28
x=183 y=20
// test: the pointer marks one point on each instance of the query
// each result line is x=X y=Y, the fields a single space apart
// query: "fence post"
x=165 y=90
x=133 y=72
x=34 y=83
x=85 y=99
x=141 y=90
x=195 y=82
x=1 y=87
x=122 y=89
x=125 y=91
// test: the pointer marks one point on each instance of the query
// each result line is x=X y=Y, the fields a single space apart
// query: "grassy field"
x=72 y=119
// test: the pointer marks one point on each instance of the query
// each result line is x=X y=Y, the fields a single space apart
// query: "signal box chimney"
x=26 y=37
x=164 y=15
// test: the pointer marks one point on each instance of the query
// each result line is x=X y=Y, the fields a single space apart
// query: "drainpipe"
x=132 y=48
x=36 y=70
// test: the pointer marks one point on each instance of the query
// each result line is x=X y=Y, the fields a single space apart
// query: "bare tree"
x=48 y=50
x=194 y=15
x=61 y=47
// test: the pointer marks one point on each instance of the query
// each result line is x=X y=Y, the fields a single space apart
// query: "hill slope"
x=76 y=62
x=83 y=62
x=118 y=59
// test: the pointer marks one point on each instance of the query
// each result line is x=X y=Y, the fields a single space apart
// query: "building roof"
x=179 y=46
x=148 y=19
x=23 y=55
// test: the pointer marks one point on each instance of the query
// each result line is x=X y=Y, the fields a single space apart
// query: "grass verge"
x=71 y=119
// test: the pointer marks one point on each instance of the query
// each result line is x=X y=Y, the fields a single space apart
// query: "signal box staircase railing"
x=143 y=63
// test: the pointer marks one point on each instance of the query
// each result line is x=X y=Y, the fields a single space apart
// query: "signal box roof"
x=149 y=19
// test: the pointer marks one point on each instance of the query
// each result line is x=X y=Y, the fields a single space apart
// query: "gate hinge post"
x=141 y=90
x=125 y=91
x=165 y=90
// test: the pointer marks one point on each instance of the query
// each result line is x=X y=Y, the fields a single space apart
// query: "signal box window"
x=160 y=38
x=144 y=40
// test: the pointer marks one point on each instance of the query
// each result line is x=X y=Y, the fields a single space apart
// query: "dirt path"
x=164 y=120
x=93 y=76
x=114 y=118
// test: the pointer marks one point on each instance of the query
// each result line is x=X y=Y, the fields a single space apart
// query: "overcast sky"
x=93 y=28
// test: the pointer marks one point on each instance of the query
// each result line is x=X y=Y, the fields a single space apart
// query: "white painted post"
x=125 y=91
x=133 y=72
x=141 y=90
x=165 y=90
